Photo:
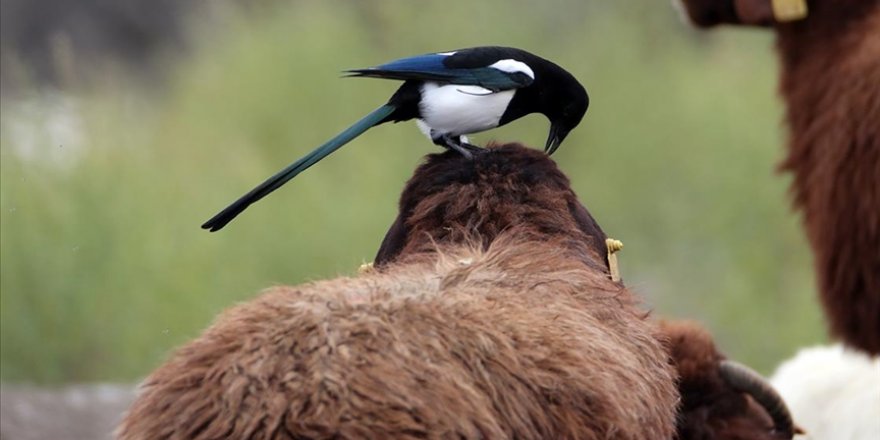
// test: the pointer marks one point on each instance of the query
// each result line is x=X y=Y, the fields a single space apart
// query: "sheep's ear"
x=587 y=224
x=708 y=13
x=755 y=12
x=393 y=243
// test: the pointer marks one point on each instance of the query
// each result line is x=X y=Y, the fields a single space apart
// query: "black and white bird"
x=452 y=94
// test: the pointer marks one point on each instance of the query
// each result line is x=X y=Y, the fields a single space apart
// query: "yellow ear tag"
x=613 y=246
x=789 y=10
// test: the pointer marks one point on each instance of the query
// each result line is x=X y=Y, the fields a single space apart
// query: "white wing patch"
x=513 y=66
x=446 y=54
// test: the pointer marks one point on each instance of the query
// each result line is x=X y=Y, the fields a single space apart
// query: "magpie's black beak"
x=557 y=135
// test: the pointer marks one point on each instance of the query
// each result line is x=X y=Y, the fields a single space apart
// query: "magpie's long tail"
x=271 y=184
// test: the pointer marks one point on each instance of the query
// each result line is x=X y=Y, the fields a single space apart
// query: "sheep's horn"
x=746 y=380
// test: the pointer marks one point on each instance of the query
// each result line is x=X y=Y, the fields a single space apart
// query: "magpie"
x=452 y=94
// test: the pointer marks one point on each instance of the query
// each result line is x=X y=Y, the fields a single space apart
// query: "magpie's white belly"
x=456 y=110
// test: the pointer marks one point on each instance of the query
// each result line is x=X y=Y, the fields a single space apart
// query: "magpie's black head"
x=546 y=88
x=563 y=100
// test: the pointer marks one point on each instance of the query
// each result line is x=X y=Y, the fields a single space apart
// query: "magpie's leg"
x=462 y=140
x=454 y=143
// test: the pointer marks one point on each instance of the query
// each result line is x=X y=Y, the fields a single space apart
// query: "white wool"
x=833 y=393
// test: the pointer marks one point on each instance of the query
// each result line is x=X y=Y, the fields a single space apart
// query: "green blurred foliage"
x=104 y=267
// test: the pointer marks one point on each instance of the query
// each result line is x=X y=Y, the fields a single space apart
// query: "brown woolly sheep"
x=499 y=321
x=721 y=399
x=830 y=81
x=490 y=315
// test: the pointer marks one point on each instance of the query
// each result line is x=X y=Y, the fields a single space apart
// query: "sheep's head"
x=706 y=13
x=721 y=399
x=506 y=188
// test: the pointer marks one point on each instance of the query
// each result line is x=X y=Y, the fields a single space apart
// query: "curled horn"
x=746 y=380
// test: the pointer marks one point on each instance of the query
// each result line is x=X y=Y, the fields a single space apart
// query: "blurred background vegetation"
x=119 y=141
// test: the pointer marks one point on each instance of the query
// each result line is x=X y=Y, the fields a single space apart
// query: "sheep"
x=490 y=313
x=834 y=393
x=830 y=80
x=721 y=399
x=494 y=318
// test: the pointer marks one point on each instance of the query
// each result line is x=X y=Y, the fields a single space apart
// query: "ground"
x=75 y=412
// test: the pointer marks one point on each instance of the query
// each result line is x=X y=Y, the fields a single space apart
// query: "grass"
x=104 y=268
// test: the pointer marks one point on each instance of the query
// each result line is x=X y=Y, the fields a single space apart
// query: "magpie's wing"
x=432 y=67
